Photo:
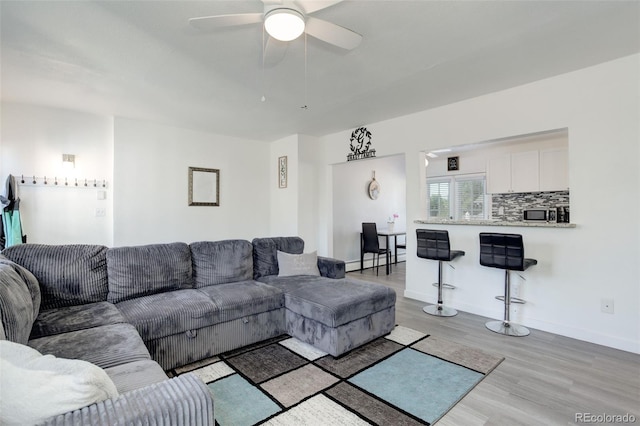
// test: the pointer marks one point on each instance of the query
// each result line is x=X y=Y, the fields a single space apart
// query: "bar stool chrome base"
x=440 y=311
x=507 y=328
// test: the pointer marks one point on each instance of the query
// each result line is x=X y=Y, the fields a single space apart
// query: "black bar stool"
x=505 y=251
x=434 y=245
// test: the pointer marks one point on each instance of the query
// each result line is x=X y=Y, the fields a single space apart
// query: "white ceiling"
x=141 y=59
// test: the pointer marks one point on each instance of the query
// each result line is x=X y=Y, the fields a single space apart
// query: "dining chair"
x=371 y=244
x=402 y=246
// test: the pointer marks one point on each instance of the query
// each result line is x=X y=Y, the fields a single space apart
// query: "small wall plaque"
x=360 y=145
x=282 y=172
x=453 y=164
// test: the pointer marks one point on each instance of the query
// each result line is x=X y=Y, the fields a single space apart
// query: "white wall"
x=284 y=201
x=352 y=205
x=151 y=180
x=295 y=209
x=145 y=166
x=577 y=267
x=308 y=200
x=33 y=141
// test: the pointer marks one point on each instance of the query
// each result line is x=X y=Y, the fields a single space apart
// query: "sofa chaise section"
x=334 y=314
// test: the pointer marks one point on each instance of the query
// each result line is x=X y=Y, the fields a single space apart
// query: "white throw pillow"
x=297 y=264
x=35 y=387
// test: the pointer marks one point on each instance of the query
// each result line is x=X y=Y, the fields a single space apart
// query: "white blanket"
x=35 y=387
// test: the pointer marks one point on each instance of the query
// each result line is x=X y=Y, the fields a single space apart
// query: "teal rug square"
x=420 y=384
x=238 y=402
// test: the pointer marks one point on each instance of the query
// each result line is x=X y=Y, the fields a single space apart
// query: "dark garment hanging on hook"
x=11 y=224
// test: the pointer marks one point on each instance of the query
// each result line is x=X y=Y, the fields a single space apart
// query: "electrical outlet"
x=101 y=212
x=606 y=306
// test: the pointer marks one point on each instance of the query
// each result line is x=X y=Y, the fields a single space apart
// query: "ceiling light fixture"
x=284 y=24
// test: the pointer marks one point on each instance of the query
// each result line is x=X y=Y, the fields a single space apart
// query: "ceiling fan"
x=286 y=20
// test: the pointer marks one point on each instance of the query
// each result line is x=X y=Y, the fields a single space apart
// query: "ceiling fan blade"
x=310 y=6
x=332 y=33
x=274 y=51
x=207 y=23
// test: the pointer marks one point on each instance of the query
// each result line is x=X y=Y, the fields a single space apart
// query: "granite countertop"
x=490 y=222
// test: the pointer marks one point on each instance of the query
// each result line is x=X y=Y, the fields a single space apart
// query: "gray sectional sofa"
x=139 y=311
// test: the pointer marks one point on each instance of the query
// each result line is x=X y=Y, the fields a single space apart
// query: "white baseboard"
x=354 y=265
x=550 y=327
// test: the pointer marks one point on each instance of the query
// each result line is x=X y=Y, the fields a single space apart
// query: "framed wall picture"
x=204 y=187
x=453 y=164
x=282 y=172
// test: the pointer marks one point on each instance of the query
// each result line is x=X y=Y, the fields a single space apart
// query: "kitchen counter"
x=489 y=222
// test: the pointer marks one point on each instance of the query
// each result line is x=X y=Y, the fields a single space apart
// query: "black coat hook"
x=45 y=180
x=22 y=181
x=34 y=180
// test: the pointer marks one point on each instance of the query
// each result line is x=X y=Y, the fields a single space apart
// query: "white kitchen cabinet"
x=554 y=169
x=516 y=172
x=499 y=174
x=525 y=172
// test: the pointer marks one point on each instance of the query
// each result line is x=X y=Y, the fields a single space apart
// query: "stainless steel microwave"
x=539 y=215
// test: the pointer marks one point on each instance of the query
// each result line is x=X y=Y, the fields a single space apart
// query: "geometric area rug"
x=404 y=378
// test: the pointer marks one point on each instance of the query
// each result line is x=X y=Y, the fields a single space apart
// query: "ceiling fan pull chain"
x=305 y=106
x=263 y=78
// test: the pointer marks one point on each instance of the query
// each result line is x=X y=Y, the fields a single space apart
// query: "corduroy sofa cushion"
x=74 y=318
x=163 y=314
x=243 y=299
x=220 y=262
x=105 y=346
x=265 y=253
x=69 y=275
x=17 y=312
x=143 y=270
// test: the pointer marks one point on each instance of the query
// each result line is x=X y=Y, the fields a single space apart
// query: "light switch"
x=102 y=195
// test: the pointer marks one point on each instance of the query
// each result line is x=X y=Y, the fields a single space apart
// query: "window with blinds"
x=438 y=196
x=458 y=197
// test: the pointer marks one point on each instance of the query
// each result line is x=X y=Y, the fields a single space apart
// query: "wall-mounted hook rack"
x=44 y=181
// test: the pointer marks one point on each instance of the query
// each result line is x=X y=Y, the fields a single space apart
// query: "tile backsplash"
x=509 y=207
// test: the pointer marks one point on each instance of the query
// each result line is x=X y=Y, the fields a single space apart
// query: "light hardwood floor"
x=545 y=379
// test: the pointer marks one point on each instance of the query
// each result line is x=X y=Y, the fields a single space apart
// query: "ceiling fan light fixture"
x=284 y=24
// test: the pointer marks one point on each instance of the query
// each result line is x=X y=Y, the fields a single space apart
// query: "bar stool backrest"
x=370 y=237
x=433 y=244
x=503 y=251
